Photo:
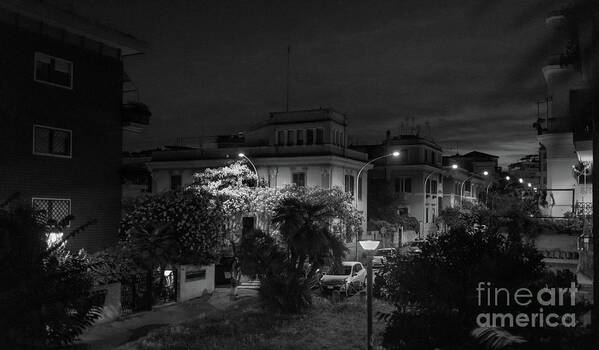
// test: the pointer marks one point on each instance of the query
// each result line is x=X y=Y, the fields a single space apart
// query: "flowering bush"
x=180 y=227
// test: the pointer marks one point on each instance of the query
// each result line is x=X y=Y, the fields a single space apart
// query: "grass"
x=248 y=325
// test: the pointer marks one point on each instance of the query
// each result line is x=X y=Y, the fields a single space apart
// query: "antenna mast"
x=287 y=82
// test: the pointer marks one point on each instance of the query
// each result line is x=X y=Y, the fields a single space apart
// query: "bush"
x=436 y=296
x=46 y=299
x=282 y=285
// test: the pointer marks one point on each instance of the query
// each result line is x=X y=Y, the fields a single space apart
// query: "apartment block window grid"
x=53 y=70
x=51 y=141
x=403 y=185
x=50 y=211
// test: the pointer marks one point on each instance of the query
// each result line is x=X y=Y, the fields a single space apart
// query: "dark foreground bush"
x=45 y=297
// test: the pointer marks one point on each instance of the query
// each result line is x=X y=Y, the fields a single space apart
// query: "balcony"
x=136 y=117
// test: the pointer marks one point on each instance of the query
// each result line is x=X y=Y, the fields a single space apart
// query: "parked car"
x=410 y=248
x=348 y=278
x=381 y=255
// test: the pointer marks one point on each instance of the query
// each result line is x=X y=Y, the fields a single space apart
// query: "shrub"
x=46 y=299
x=435 y=291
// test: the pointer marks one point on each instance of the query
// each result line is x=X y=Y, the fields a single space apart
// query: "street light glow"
x=529 y=184
x=485 y=173
x=241 y=155
x=520 y=180
x=395 y=154
x=369 y=244
x=454 y=166
x=507 y=178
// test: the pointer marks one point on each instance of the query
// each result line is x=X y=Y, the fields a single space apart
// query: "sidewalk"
x=133 y=327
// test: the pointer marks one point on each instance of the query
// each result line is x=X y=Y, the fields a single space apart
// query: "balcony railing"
x=136 y=116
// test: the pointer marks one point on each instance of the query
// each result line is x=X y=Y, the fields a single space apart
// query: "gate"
x=134 y=292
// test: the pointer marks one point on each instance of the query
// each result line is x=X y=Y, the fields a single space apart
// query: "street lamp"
x=507 y=178
x=241 y=155
x=394 y=154
x=369 y=246
x=520 y=180
x=454 y=166
x=464 y=182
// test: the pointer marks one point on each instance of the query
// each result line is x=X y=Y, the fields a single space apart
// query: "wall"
x=91 y=110
x=112 y=303
x=196 y=288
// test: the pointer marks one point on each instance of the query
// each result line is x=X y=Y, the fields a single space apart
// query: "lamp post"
x=394 y=154
x=243 y=156
x=485 y=173
x=369 y=246
x=454 y=166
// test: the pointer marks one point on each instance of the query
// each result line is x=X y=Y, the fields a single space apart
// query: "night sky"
x=471 y=69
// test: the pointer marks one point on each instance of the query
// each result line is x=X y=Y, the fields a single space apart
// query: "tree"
x=383 y=205
x=240 y=193
x=311 y=227
x=170 y=228
x=441 y=310
x=47 y=297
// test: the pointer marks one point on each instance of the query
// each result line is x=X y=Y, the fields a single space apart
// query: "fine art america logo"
x=522 y=299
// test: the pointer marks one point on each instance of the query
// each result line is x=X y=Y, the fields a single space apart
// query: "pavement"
x=118 y=333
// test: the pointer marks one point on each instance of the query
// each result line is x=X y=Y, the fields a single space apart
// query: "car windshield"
x=340 y=270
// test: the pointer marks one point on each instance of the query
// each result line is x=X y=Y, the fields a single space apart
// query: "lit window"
x=299 y=179
x=53 y=70
x=51 y=141
x=51 y=211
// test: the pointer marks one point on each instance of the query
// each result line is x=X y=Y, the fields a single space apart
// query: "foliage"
x=384 y=205
x=443 y=306
x=176 y=227
x=312 y=224
x=510 y=208
x=47 y=300
x=237 y=189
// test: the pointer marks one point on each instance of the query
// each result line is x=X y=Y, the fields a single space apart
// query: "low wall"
x=112 y=302
x=195 y=281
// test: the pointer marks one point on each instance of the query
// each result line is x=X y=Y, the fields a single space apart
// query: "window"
x=433 y=186
x=360 y=188
x=50 y=211
x=425 y=155
x=300 y=137
x=433 y=157
x=299 y=179
x=51 y=141
x=357 y=268
x=280 y=138
x=349 y=184
x=175 y=182
x=53 y=70
x=341 y=139
x=309 y=137
x=290 y=138
x=319 y=136
x=426 y=217
x=325 y=179
x=403 y=185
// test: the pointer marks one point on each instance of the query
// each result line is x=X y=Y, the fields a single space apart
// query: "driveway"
x=114 y=334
